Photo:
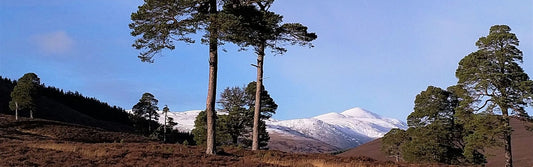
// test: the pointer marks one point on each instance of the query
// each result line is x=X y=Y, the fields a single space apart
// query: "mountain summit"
x=360 y=113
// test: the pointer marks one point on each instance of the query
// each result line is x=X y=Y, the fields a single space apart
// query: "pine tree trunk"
x=258 y=90
x=507 y=140
x=211 y=91
x=149 y=124
x=235 y=139
x=16 y=111
x=165 y=129
x=507 y=136
x=31 y=114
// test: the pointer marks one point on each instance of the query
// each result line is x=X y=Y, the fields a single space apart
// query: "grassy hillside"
x=39 y=142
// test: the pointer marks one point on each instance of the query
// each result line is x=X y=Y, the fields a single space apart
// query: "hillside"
x=521 y=143
x=71 y=107
x=40 y=142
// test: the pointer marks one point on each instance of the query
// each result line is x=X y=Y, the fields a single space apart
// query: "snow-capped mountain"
x=343 y=130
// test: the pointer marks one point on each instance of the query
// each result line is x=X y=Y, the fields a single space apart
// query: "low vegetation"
x=38 y=142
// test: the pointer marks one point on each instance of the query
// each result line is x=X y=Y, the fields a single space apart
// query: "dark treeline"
x=6 y=86
x=56 y=104
x=51 y=99
x=89 y=106
x=86 y=105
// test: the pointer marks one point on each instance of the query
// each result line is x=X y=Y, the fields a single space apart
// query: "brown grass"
x=48 y=143
x=73 y=148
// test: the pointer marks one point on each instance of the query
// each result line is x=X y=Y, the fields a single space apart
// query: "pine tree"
x=434 y=105
x=160 y=23
x=268 y=108
x=200 y=130
x=495 y=84
x=165 y=112
x=255 y=26
x=233 y=102
x=24 y=94
x=146 y=108
x=235 y=128
x=433 y=136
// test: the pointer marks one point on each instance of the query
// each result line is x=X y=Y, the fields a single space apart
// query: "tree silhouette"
x=146 y=108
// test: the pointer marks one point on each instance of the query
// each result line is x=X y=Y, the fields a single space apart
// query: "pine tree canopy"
x=493 y=77
x=254 y=26
x=25 y=92
x=434 y=105
x=146 y=107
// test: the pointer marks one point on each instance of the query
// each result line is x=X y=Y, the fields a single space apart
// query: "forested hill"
x=55 y=104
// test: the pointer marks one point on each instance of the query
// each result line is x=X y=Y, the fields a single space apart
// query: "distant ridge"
x=326 y=133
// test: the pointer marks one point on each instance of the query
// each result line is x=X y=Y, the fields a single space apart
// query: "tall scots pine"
x=160 y=23
x=496 y=87
x=257 y=27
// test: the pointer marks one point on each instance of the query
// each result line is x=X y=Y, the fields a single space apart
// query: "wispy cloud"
x=54 y=42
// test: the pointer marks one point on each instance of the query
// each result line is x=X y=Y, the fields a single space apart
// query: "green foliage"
x=25 y=93
x=493 y=83
x=161 y=22
x=433 y=135
x=145 y=112
x=146 y=107
x=235 y=127
x=433 y=143
x=200 y=130
x=254 y=26
x=268 y=105
x=454 y=126
x=392 y=142
x=485 y=131
x=234 y=102
x=433 y=105
x=493 y=77
x=264 y=137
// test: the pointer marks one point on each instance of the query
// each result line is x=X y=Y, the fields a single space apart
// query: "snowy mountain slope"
x=363 y=122
x=184 y=119
x=343 y=130
x=348 y=129
x=337 y=136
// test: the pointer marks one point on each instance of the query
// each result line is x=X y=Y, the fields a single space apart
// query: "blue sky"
x=377 y=55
